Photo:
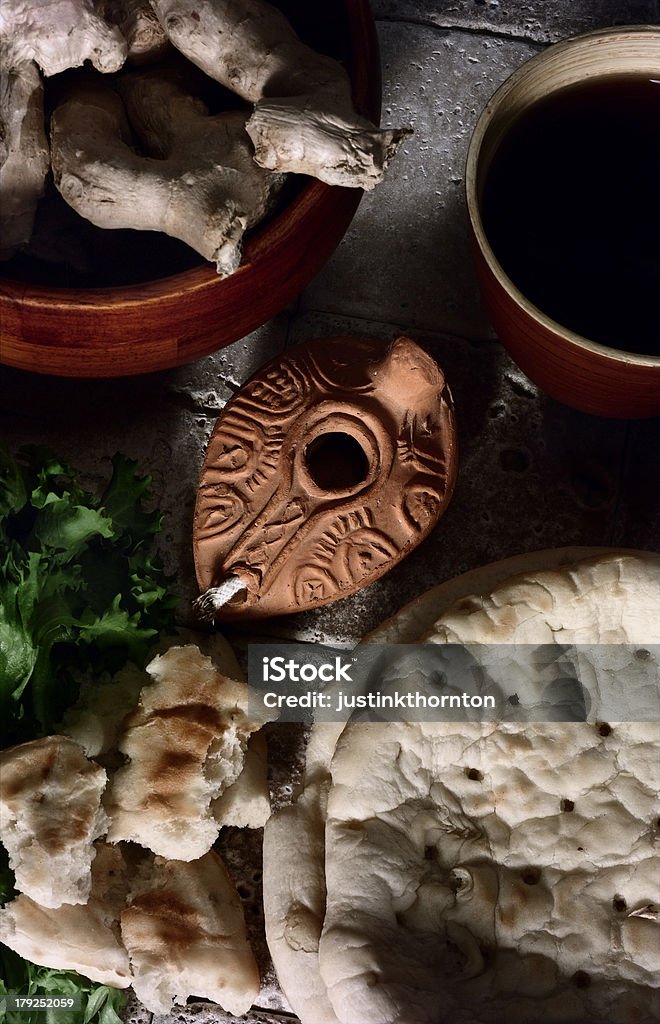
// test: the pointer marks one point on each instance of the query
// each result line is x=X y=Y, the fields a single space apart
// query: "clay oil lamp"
x=326 y=469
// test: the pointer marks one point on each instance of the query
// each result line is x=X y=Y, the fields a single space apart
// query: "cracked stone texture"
x=163 y=420
x=532 y=473
x=203 y=1013
x=410 y=236
x=543 y=21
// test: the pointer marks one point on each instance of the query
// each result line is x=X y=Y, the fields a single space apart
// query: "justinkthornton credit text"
x=351 y=701
x=342 y=701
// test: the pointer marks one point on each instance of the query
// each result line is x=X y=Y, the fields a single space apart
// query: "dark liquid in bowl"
x=571 y=208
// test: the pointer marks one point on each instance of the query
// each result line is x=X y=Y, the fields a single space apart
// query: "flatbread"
x=246 y=803
x=185 y=934
x=294 y=883
x=186 y=742
x=436 y=879
x=99 y=719
x=413 y=622
x=83 y=938
x=357 y=962
x=464 y=858
x=51 y=852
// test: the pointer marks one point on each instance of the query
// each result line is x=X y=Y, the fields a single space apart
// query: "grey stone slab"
x=543 y=21
x=134 y=1012
x=162 y=420
x=638 y=512
x=406 y=258
x=207 y=1013
x=213 y=380
x=532 y=474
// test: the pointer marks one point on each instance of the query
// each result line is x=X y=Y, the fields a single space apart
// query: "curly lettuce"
x=80 y=587
x=99 y=1004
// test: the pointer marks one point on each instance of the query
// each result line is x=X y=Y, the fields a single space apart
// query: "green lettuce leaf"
x=99 y=1004
x=80 y=585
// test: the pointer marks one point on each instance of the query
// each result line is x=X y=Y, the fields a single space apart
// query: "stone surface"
x=162 y=420
x=638 y=507
x=406 y=258
x=205 y=1013
x=543 y=21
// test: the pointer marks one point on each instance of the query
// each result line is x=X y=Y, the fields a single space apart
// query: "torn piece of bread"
x=246 y=803
x=96 y=720
x=50 y=815
x=83 y=938
x=185 y=935
x=186 y=742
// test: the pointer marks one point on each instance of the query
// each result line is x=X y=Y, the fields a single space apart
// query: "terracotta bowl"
x=157 y=324
x=583 y=374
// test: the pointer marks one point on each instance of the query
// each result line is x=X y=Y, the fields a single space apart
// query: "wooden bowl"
x=125 y=330
x=582 y=373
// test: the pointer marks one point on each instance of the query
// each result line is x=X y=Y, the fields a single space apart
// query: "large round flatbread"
x=423 y=866
x=294 y=883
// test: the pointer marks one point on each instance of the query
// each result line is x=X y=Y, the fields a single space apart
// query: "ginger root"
x=137 y=22
x=58 y=34
x=303 y=119
x=55 y=35
x=24 y=157
x=199 y=183
x=150 y=157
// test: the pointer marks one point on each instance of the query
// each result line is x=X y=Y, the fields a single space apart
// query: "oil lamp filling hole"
x=336 y=461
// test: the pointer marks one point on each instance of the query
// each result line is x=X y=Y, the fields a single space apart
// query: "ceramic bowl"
x=579 y=372
x=176 y=318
